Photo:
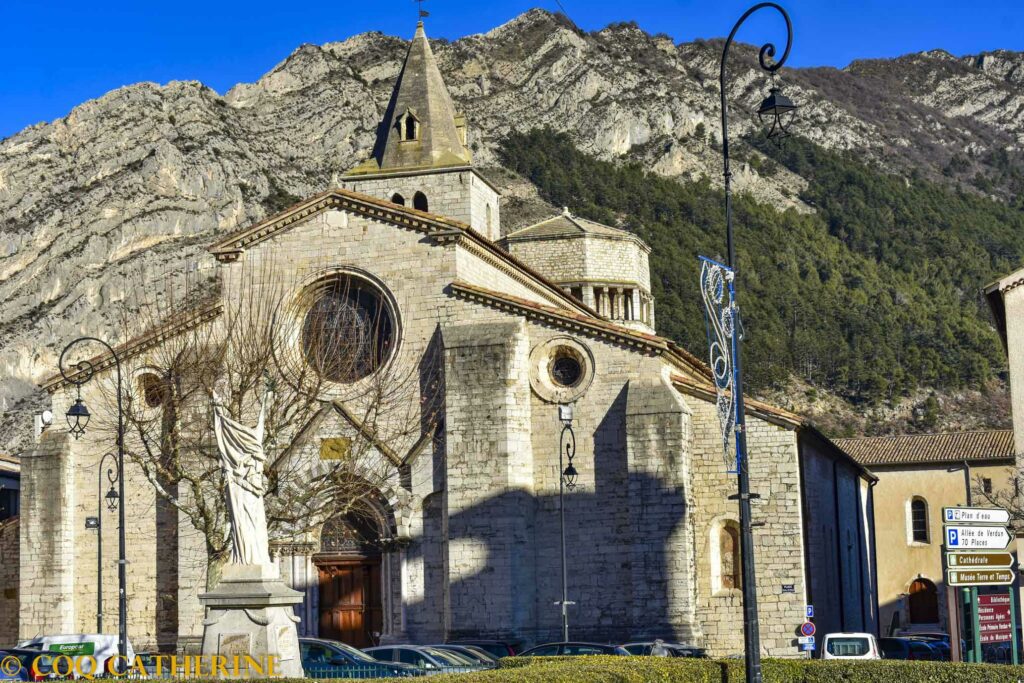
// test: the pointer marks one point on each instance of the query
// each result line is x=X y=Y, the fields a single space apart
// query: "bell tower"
x=420 y=158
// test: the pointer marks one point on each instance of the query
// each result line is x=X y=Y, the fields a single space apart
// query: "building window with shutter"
x=986 y=485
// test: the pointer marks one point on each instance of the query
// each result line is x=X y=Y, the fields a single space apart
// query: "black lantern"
x=570 y=475
x=776 y=111
x=78 y=417
x=112 y=499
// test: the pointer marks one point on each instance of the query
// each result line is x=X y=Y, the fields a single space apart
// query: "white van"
x=849 y=646
x=100 y=646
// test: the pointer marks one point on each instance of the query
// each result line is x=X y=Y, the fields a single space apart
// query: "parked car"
x=427 y=659
x=943 y=652
x=497 y=648
x=674 y=649
x=100 y=646
x=849 y=646
x=907 y=648
x=573 y=649
x=332 y=659
x=23 y=670
x=476 y=655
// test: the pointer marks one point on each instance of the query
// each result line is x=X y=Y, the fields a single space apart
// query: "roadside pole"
x=954 y=624
x=969 y=632
x=1014 y=659
x=977 y=626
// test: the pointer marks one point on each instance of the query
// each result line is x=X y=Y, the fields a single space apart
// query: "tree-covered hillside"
x=873 y=296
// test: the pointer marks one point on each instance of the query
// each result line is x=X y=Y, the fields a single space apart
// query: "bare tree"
x=984 y=494
x=328 y=352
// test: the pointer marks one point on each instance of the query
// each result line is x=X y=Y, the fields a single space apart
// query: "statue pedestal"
x=249 y=613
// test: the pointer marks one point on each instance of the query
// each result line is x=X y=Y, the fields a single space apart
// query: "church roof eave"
x=438 y=227
x=773 y=415
x=168 y=329
x=591 y=325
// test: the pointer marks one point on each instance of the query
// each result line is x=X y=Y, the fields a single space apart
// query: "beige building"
x=465 y=540
x=1006 y=301
x=918 y=475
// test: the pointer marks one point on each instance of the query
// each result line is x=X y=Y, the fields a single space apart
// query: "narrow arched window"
x=419 y=201
x=397 y=199
x=410 y=127
x=729 y=555
x=489 y=218
x=919 y=520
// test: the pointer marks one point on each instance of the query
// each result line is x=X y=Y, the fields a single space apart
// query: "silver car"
x=429 y=659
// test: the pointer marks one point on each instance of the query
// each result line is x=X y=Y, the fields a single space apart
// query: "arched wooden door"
x=349 y=565
x=924 y=602
x=350 y=601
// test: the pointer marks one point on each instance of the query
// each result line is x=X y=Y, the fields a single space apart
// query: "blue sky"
x=57 y=54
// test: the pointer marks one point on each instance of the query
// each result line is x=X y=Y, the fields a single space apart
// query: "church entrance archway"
x=349 y=565
x=924 y=602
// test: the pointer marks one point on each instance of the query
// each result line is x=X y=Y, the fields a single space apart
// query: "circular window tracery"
x=348 y=330
x=561 y=369
x=566 y=368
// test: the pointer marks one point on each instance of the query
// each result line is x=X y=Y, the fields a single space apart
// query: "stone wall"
x=778 y=539
x=9 y=588
x=47 y=558
x=489 y=475
x=839 y=534
x=1013 y=300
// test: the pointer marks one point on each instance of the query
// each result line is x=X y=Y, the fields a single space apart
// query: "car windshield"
x=449 y=658
x=848 y=647
x=352 y=652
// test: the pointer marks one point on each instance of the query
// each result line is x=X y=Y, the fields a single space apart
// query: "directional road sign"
x=980 y=577
x=994 y=620
x=977 y=537
x=976 y=560
x=975 y=516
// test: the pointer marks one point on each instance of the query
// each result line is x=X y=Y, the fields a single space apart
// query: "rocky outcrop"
x=112 y=206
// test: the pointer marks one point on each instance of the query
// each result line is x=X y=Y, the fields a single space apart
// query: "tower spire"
x=420 y=129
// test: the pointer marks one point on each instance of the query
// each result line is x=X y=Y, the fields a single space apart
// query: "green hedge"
x=658 y=670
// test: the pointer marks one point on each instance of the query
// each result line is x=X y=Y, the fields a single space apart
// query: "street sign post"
x=981 y=537
x=967 y=533
x=994 y=618
x=980 y=577
x=975 y=560
x=961 y=515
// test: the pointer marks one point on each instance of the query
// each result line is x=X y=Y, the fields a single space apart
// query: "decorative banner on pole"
x=716 y=289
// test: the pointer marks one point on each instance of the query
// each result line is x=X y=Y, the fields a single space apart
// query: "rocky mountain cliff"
x=112 y=206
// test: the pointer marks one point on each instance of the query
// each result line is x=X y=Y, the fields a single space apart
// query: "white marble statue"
x=242 y=459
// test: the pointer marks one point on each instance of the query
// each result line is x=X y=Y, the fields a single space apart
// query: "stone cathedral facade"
x=560 y=312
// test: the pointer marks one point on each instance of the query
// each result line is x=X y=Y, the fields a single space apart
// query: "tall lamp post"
x=78 y=417
x=775 y=109
x=111 y=500
x=566 y=480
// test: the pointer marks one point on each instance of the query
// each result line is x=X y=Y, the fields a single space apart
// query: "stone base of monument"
x=250 y=622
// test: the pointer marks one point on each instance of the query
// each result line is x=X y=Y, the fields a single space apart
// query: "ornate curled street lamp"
x=718 y=290
x=78 y=418
x=111 y=500
x=566 y=480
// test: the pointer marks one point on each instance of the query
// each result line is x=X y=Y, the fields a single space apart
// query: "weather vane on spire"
x=423 y=12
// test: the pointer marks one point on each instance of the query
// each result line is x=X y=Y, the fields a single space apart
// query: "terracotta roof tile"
x=909 y=449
